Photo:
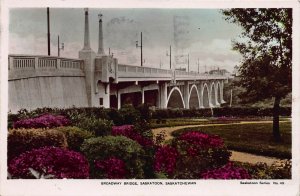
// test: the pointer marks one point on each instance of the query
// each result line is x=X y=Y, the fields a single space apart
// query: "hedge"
x=75 y=136
x=22 y=140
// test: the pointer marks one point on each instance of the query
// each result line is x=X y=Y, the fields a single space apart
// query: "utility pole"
x=198 y=66
x=170 y=56
x=188 y=62
x=59 y=47
x=141 y=46
x=48 y=27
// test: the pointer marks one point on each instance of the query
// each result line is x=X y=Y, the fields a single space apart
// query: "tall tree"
x=266 y=48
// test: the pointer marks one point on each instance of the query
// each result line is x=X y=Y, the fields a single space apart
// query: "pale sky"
x=202 y=33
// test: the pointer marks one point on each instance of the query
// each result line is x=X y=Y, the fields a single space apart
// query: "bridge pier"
x=186 y=91
x=163 y=95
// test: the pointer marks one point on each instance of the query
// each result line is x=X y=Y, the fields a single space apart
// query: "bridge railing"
x=194 y=75
x=137 y=71
x=26 y=62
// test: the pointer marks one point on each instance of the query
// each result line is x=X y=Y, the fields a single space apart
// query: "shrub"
x=129 y=131
x=228 y=171
x=116 y=117
x=99 y=127
x=120 y=147
x=21 y=140
x=199 y=152
x=165 y=160
x=130 y=115
x=278 y=170
x=111 y=168
x=59 y=162
x=75 y=136
x=43 y=121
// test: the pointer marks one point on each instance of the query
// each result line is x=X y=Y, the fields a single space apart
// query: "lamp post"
x=59 y=47
x=140 y=46
x=170 y=55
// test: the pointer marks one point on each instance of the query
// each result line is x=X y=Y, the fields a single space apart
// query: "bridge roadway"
x=107 y=84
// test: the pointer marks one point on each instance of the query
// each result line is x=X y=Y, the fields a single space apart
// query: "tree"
x=266 y=48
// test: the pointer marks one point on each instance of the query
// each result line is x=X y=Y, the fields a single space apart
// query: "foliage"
x=111 y=168
x=278 y=170
x=99 y=127
x=251 y=138
x=266 y=49
x=43 y=121
x=145 y=112
x=229 y=171
x=130 y=115
x=199 y=152
x=120 y=147
x=59 y=162
x=115 y=116
x=75 y=136
x=129 y=131
x=165 y=160
x=218 y=112
x=21 y=140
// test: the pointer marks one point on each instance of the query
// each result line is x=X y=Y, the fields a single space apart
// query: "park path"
x=236 y=156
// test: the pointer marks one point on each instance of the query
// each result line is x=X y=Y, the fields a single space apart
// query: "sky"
x=198 y=33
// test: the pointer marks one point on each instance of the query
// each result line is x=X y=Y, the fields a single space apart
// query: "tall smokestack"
x=86 y=31
x=100 y=44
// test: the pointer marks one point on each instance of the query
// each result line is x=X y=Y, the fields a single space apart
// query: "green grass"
x=252 y=138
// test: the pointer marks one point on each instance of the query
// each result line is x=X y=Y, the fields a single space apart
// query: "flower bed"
x=60 y=163
x=43 y=121
x=228 y=171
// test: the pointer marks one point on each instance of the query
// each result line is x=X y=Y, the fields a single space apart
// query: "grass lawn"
x=252 y=138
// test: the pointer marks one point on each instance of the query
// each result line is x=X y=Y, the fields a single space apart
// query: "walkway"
x=236 y=156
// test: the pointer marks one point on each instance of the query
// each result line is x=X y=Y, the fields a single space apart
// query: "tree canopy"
x=266 y=48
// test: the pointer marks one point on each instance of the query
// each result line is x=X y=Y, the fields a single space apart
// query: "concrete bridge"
x=96 y=80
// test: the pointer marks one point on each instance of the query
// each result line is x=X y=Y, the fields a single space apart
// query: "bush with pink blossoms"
x=111 y=168
x=202 y=140
x=43 y=121
x=22 y=140
x=129 y=131
x=229 y=171
x=165 y=160
x=60 y=163
x=199 y=152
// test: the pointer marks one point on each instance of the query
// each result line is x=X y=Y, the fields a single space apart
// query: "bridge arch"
x=175 y=94
x=205 y=96
x=194 y=98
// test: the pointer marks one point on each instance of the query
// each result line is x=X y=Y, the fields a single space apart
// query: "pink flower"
x=228 y=171
x=59 y=162
x=128 y=131
x=165 y=159
x=43 y=121
x=113 y=168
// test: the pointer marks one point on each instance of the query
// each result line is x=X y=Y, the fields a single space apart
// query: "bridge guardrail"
x=27 y=62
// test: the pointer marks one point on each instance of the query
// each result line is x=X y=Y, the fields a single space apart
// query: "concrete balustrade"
x=26 y=66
